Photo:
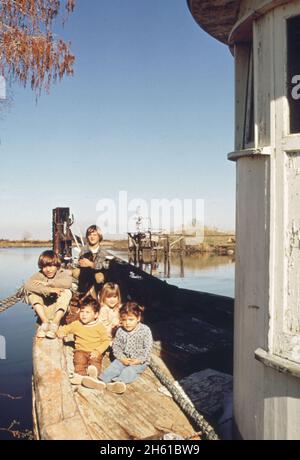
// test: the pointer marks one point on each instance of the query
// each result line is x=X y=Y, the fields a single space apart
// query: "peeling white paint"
x=268 y=245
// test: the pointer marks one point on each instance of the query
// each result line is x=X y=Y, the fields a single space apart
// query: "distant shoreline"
x=112 y=244
x=222 y=243
x=25 y=244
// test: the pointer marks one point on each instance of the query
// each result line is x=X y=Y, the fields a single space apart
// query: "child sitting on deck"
x=110 y=304
x=91 y=340
x=48 y=291
x=131 y=348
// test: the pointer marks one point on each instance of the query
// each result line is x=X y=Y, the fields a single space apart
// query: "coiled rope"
x=10 y=301
x=205 y=429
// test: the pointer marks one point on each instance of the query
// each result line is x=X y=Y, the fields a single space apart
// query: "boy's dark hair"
x=94 y=228
x=132 y=307
x=87 y=255
x=49 y=258
x=89 y=301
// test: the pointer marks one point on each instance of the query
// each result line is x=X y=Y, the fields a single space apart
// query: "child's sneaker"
x=76 y=379
x=51 y=333
x=89 y=382
x=116 y=387
x=92 y=372
x=42 y=330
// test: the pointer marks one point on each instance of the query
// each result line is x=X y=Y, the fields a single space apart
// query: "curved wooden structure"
x=205 y=13
x=62 y=411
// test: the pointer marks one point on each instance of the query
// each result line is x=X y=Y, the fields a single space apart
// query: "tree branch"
x=6 y=395
x=27 y=52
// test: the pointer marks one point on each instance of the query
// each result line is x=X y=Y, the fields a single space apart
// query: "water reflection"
x=17 y=327
x=180 y=266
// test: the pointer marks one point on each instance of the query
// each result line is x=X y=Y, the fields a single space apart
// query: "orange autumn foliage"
x=28 y=50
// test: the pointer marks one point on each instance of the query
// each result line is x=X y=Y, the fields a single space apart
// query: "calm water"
x=206 y=273
x=17 y=327
x=213 y=274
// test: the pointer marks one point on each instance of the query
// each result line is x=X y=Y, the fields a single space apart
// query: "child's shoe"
x=51 y=333
x=92 y=372
x=42 y=330
x=89 y=382
x=116 y=387
x=76 y=379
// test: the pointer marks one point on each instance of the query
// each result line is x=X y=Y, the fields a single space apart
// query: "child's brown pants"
x=82 y=360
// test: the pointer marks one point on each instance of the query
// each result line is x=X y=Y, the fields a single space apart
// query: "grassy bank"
x=25 y=243
x=5 y=243
x=213 y=241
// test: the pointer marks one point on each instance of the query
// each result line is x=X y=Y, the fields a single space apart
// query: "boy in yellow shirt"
x=91 y=340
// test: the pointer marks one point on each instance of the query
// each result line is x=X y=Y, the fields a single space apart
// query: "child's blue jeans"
x=118 y=372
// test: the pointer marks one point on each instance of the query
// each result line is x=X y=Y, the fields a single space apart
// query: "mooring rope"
x=205 y=429
x=10 y=301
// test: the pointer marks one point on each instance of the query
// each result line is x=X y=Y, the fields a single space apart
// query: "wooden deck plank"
x=56 y=410
x=66 y=412
x=141 y=413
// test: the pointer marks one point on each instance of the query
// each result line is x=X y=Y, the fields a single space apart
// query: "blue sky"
x=149 y=111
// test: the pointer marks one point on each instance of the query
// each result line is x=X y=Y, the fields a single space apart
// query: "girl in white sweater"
x=110 y=304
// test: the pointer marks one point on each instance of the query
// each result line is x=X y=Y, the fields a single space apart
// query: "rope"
x=205 y=429
x=10 y=301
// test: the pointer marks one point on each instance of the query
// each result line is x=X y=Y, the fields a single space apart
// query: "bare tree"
x=29 y=53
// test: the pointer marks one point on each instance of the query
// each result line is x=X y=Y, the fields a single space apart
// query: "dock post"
x=61 y=234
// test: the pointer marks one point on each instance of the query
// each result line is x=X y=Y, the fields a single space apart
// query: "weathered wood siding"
x=266 y=401
x=251 y=293
x=242 y=52
x=263 y=78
